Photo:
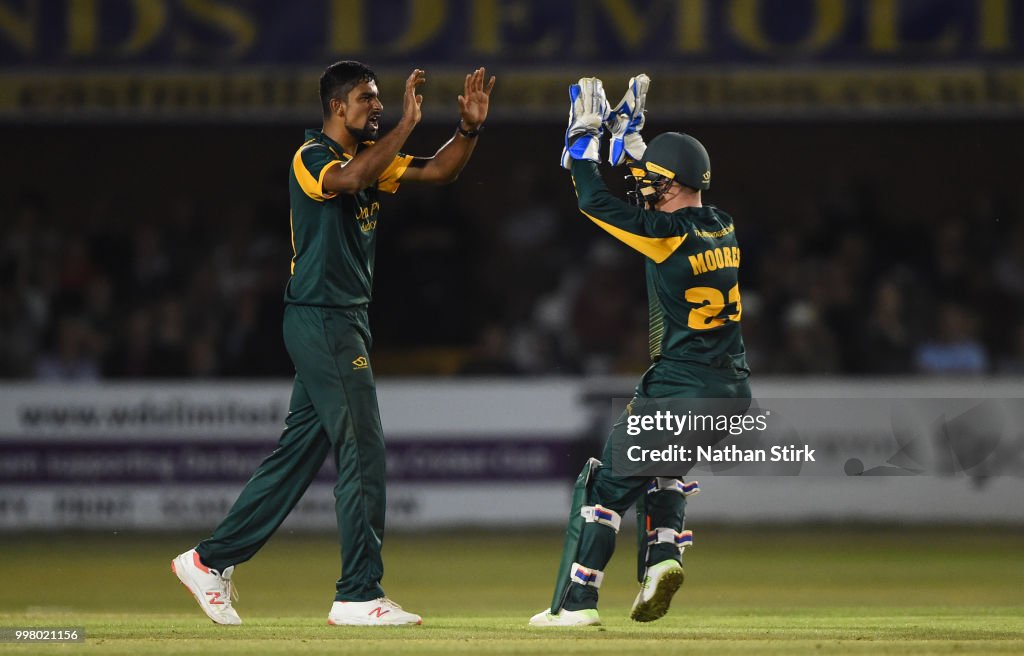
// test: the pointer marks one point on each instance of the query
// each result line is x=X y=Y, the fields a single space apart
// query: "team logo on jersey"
x=360 y=363
x=367 y=217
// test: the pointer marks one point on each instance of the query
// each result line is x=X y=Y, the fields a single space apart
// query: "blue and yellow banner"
x=156 y=59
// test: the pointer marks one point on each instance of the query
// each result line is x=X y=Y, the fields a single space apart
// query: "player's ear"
x=337 y=107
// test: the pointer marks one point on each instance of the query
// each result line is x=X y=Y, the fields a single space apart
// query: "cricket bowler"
x=334 y=184
x=692 y=267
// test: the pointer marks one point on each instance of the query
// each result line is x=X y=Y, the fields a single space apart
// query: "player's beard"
x=364 y=133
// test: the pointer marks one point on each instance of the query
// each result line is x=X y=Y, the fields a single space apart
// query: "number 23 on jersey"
x=712 y=307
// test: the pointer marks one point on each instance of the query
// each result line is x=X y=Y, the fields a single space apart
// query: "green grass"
x=766 y=591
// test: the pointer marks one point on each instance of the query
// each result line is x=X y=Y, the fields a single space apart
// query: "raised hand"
x=412 y=101
x=626 y=120
x=475 y=99
x=588 y=108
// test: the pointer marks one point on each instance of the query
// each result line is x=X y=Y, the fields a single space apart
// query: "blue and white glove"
x=587 y=111
x=625 y=122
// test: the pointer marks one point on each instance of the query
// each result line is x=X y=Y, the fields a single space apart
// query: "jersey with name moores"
x=692 y=270
x=334 y=236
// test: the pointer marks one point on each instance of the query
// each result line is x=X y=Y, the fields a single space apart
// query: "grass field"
x=807 y=590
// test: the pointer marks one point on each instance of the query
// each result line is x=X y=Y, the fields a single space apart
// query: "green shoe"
x=659 y=585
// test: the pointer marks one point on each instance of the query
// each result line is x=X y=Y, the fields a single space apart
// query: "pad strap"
x=601 y=515
x=586 y=576
x=682 y=539
x=675 y=484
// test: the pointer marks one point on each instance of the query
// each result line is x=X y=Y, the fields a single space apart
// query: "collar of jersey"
x=336 y=148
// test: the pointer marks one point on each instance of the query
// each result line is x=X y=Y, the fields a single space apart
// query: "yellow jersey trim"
x=389 y=177
x=320 y=180
x=312 y=187
x=657 y=248
x=291 y=226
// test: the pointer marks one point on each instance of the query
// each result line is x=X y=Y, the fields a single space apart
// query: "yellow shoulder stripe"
x=320 y=180
x=312 y=186
x=656 y=248
x=291 y=226
x=388 y=180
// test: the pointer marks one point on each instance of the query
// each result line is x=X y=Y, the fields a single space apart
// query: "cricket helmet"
x=671 y=156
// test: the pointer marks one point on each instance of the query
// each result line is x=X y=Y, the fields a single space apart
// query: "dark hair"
x=340 y=78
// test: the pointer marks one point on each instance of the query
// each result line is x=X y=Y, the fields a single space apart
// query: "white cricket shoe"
x=212 y=589
x=585 y=617
x=379 y=612
x=656 y=592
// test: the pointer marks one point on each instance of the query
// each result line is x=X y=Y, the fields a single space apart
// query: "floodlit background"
x=870 y=152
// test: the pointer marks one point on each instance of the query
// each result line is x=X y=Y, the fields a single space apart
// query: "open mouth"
x=373 y=122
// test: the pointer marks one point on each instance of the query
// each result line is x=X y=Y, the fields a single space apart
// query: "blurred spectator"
x=76 y=267
x=252 y=344
x=203 y=357
x=808 y=347
x=887 y=348
x=98 y=312
x=73 y=356
x=956 y=349
x=151 y=272
x=18 y=335
x=169 y=356
x=490 y=357
x=604 y=308
x=634 y=355
x=131 y=355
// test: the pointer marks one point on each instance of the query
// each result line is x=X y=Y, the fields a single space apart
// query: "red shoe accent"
x=198 y=563
x=379 y=611
x=215 y=598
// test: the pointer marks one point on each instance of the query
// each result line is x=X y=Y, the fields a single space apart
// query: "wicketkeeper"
x=692 y=283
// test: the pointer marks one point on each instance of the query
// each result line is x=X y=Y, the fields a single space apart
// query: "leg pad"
x=681 y=539
x=586 y=576
x=675 y=485
x=598 y=514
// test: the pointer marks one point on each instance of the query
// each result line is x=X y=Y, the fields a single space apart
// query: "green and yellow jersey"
x=692 y=269
x=334 y=236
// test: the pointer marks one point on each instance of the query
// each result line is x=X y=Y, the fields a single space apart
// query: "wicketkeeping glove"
x=587 y=111
x=626 y=120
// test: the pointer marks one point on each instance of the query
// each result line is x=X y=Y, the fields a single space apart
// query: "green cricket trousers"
x=665 y=379
x=333 y=411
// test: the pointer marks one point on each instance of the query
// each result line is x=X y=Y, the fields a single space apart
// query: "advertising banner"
x=182 y=60
x=498 y=453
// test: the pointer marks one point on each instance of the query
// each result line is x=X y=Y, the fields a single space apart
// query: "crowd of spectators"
x=835 y=288
x=525 y=286
x=162 y=300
